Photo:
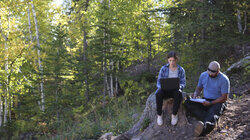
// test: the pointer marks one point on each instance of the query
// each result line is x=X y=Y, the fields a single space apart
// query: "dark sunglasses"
x=213 y=71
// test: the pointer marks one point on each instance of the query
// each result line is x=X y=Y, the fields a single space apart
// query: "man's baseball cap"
x=213 y=67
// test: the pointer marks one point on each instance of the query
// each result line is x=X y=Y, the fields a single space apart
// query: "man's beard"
x=213 y=76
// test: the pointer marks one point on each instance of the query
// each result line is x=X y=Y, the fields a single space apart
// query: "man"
x=215 y=86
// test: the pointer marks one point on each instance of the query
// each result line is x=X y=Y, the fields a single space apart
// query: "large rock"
x=143 y=128
x=242 y=64
x=239 y=75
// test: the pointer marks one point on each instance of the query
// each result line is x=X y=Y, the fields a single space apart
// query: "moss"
x=145 y=124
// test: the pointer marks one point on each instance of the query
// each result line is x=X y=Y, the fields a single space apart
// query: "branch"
x=156 y=10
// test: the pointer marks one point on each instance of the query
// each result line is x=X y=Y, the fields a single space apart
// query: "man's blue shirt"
x=164 y=74
x=213 y=88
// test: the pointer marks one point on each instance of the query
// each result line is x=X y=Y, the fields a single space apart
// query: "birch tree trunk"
x=85 y=46
x=149 y=50
x=39 y=59
x=105 y=77
x=239 y=21
x=85 y=61
x=245 y=19
x=116 y=85
x=111 y=92
x=29 y=26
x=7 y=78
x=10 y=102
x=5 y=110
x=1 y=110
x=111 y=80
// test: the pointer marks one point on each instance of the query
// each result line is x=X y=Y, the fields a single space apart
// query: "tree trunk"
x=30 y=42
x=85 y=58
x=116 y=80
x=5 y=110
x=85 y=61
x=38 y=53
x=111 y=82
x=7 y=79
x=239 y=21
x=149 y=49
x=245 y=21
x=10 y=101
x=1 y=110
x=57 y=104
x=105 y=78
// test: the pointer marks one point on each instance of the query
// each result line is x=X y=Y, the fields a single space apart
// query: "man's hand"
x=196 y=92
x=194 y=95
x=206 y=103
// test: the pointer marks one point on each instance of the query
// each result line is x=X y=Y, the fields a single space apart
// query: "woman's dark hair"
x=173 y=54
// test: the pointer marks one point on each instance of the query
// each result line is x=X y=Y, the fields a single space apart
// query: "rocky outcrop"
x=146 y=127
x=239 y=75
x=240 y=65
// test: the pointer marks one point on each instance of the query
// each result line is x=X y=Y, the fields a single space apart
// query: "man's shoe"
x=159 y=120
x=174 y=119
x=198 y=129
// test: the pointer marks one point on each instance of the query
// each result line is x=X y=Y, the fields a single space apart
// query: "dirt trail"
x=235 y=122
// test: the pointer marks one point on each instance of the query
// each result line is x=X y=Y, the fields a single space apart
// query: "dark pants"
x=162 y=94
x=209 y=115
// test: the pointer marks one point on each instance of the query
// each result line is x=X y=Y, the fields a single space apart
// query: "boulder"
x=147 y=120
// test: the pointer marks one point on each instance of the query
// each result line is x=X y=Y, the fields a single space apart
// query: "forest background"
x=86 y=67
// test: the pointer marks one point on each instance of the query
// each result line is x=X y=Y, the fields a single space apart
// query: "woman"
x=170 y=70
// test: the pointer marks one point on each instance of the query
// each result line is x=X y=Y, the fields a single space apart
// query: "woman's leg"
x=177 y=95
x=159 y=101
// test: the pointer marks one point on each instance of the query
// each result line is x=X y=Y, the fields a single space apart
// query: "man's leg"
x=196 y=109
x=214 y=112
x=212 y=117
x=199 y=111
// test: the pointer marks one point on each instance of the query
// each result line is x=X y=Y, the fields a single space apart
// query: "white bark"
x=85 y=46
x=39 y=59
x=30 y=42
x=7 y=74
x=5 y=110
x=105 y=79
x=29 y=26
x=239 y=21
x=107 y=83
x=245 y=19
x=116 y=81
x=7 y=87
x=111 y=75
x=1 y=110
x=10 y=101
x=111 y=82
x=111 y=93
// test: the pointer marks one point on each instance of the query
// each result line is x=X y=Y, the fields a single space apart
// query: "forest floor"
x=235 y=122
